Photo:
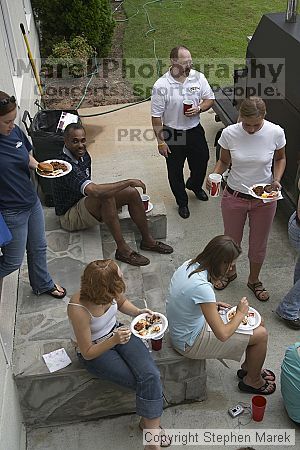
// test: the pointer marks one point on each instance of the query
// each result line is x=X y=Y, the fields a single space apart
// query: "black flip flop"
x=241 y=373
x=263 y=390
x=55 y=288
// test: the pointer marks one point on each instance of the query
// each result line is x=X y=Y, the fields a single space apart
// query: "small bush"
x=73 y=55
x=65 y=19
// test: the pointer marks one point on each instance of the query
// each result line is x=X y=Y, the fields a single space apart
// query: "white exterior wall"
x=22 y=85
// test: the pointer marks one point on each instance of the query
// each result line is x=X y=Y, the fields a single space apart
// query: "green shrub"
x=73 y=55
x=65 y=19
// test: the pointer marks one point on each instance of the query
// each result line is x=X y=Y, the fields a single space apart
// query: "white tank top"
x=100 y=326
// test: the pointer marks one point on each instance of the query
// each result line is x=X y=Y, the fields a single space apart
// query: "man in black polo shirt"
x=81 y=204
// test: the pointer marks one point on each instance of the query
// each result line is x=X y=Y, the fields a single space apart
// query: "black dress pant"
x=191 y=145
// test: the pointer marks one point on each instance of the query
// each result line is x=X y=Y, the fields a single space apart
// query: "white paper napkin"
x=56 y=360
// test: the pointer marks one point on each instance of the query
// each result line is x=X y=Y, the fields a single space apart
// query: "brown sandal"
x=165 y=441
x=258 y=290
x=225 y=282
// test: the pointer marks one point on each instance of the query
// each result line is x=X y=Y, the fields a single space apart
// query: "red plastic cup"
x=156 y=344
x=215 y=179
x=258 y=407
x=145 y=199
x=187 y=104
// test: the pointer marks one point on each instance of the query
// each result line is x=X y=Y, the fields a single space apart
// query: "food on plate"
x=272 y=194
x=140 y=325
x=51 y=169
x=265 y=191
x=59 y=166
x=233 y=313
x=149 y=325
x=268 y=188
x=45 y=167
x=258 y=190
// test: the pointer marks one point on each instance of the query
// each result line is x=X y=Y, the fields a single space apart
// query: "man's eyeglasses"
x=7 y=100
x=184 y=64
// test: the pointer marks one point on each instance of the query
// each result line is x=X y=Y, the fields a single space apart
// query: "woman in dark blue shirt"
x=20 y=205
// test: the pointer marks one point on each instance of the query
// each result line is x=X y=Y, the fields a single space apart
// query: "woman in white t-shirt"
x=251 y=146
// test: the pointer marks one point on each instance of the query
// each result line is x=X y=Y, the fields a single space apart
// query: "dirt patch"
x=107 y=86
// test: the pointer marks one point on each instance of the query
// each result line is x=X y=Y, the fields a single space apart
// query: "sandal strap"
x=257 y=285
x=265 y=389
x=258 y=289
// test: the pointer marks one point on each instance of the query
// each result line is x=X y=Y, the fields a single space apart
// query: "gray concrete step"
x=157 y=222
x=72 y=394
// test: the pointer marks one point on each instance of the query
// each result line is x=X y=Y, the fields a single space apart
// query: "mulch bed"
x=107 y=87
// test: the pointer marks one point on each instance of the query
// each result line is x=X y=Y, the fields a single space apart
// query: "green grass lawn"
x=214 y=31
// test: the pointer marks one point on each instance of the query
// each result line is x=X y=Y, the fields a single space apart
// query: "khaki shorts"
x=207 y=346
x=78 y=217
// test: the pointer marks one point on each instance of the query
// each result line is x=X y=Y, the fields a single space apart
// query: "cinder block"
x=157 y=222
x=73 y=395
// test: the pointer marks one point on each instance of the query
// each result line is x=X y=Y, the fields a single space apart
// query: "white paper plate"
x=254 y=322
x=62 y=174
x=163 y=326
x=271 y=199
x=150 y=207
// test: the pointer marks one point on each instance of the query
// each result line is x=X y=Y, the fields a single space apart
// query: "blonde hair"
x=252 y=107
x=101 y=282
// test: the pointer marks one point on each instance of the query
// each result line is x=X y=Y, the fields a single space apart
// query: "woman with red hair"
x=108 y=350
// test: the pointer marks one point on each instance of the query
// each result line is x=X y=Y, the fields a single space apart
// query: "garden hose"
x=158 y=67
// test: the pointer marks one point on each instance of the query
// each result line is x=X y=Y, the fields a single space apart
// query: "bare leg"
x=151 y=424
x=255 y=357
x=131 y=197
x=106 y=210
x=255 y=269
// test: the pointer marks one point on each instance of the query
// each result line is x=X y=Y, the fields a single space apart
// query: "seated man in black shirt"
x=80 y=203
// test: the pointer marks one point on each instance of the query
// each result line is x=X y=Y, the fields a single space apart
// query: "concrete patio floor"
x=115 y=159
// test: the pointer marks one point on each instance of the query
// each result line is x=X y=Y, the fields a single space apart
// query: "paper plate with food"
x=265 y=192
x=53 y=168
x=149 y=326
x=250 y=322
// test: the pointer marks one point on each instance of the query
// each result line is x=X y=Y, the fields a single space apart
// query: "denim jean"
x=28 y=230
x=131 y=365
x=290 y=306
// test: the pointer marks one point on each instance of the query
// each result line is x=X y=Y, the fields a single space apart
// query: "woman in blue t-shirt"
x=196 y=328
x=20 y=206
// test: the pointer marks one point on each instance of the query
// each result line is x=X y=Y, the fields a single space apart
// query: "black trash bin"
x=46 y=140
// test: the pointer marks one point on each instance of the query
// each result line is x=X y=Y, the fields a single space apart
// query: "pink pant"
x=261 y=215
